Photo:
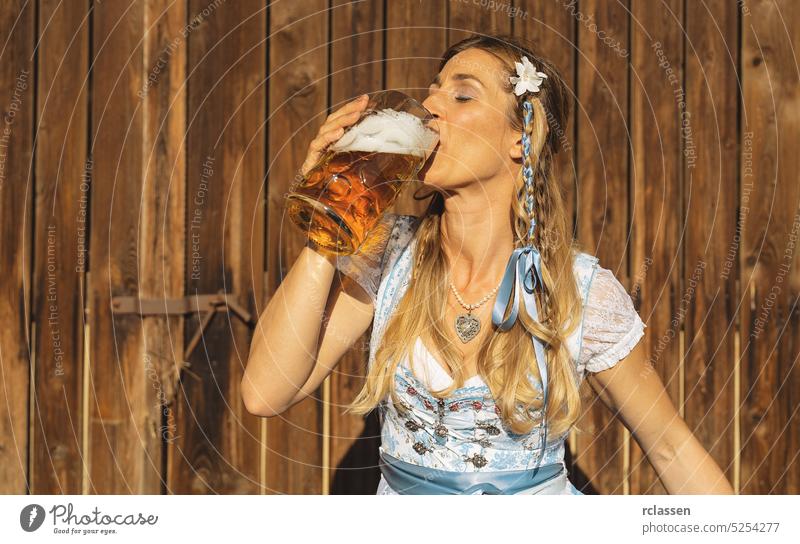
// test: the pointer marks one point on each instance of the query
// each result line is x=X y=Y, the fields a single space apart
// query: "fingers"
x=334 y=126
x=346 y=115
x=333 y=129
x=318 y=145
x=324 y=139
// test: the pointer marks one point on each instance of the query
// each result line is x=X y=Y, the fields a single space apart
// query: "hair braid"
x=528 y=173
x=538 y=195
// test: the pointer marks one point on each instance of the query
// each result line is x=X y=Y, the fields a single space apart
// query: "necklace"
x=467 y=325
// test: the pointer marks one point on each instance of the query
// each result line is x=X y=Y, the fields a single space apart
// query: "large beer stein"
x=359 y=176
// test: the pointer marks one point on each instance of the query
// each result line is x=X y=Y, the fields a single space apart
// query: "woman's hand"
x=332 y=130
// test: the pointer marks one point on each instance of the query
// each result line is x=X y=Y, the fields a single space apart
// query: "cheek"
x=476 y=142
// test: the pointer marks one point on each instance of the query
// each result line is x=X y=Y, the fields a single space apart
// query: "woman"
x=461 y=388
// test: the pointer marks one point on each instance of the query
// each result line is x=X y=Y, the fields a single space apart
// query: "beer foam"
x=388 y=131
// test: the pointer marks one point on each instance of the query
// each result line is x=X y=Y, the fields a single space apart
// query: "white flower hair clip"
x=527 y=78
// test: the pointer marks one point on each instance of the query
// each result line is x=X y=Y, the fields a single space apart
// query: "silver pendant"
x=467 y=327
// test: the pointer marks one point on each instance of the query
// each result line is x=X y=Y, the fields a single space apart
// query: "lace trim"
x=619 y=351
x=612 y=327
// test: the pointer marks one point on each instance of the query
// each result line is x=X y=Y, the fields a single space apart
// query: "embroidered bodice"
x=465 y=432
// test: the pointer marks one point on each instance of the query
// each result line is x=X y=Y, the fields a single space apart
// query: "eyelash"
x=457 y=97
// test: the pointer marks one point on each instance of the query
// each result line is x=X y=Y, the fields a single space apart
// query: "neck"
x=477 y=237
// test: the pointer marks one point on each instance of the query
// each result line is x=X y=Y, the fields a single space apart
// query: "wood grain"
x=603 y=208
x=17 y=177
x=657 y=95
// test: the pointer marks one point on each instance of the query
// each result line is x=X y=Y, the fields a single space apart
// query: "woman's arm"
x=308 y=325
x=633 y=391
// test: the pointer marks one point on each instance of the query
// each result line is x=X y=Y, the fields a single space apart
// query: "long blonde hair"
x=504 y=358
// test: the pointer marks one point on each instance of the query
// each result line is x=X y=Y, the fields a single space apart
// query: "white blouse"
x=611 y=325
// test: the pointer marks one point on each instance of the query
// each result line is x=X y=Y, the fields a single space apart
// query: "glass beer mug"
x=359 y=176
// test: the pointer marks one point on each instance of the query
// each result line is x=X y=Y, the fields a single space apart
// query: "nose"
x=430 y=104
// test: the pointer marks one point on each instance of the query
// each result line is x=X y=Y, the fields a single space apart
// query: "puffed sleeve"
x=365 y=266
x=611 y=325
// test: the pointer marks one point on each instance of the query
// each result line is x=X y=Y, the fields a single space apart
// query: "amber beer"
x=344 y=195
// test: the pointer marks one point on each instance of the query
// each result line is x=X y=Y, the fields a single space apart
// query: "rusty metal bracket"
x=191 y=304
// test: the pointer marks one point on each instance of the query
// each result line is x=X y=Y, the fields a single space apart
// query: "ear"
x=515 y=151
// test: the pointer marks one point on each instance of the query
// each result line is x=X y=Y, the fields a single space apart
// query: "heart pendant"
x=467 y=327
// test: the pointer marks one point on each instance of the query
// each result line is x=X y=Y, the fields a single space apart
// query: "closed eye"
x=458 y=97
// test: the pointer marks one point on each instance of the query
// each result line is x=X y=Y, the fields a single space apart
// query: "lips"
x=433 y=153
x=428 y=162
x=432 y=126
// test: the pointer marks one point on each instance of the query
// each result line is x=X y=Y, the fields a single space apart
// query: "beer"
x=343 y=196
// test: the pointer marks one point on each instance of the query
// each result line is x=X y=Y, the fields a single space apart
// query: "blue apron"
x=410 y=479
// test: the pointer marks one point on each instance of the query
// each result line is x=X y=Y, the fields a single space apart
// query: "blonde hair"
x=504 y=358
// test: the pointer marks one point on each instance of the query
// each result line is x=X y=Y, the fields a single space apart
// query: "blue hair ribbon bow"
x=524 y=264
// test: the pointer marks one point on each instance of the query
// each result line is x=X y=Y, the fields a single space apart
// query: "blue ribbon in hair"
x=525 y=265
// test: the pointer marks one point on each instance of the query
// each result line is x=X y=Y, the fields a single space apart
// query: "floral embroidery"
x=488 y=427
x=412 y=425
x=478 y=460
x=421 y=448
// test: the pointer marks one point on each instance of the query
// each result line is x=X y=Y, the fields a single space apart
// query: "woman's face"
x=476 y=141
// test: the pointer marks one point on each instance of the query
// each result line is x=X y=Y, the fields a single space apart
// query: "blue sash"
x=410 y=479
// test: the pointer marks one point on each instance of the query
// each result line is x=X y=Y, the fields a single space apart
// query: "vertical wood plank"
x=709 y=201
x=61 y=232
x=17 y=107
x=467 y=18
x=770 y=221
x=298 y=102
x=357 y=67
x=162 y=242
x=603 y=212
x=416 y=37
x=657 y=94
x=218 y=448
x=117 y=403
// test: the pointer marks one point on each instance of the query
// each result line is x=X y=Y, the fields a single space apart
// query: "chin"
x=431 y=174
x=432 y=182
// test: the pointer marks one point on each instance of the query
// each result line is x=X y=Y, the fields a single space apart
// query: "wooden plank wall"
x=146 y=149
x=769 y=279
x=59 y=221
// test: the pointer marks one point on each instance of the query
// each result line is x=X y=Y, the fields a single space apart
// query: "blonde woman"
x=486 y=317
